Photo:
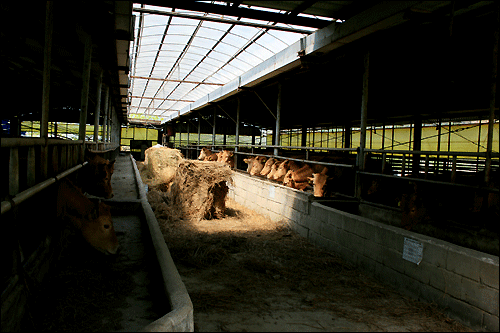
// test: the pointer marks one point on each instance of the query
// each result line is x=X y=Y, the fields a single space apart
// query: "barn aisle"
x=123 y=179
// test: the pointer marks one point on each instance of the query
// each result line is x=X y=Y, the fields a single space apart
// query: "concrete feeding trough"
x=71 y=286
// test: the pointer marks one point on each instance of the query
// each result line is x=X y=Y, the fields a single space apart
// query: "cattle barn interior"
x=405 y=91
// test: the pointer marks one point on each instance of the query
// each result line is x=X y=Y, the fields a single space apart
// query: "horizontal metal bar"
x=213 y=19
x=361 y=201
x=18 y=142
x=171 y=80
x=28 y=193
x=163 y=99
x=482 y=188
x=427 y=152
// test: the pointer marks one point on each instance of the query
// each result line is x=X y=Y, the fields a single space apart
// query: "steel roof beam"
x=243 y=12
x=164 y=99
x=171 y=80
x=228 y=21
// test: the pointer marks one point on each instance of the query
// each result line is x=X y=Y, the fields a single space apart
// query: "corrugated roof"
x=177 y=60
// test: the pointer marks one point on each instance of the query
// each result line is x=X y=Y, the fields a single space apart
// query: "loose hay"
x=198 y=190
x=247 y=263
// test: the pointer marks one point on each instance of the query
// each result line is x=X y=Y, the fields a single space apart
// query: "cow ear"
x=311 y=179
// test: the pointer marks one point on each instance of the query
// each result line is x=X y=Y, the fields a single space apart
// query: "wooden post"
x=47 y=58
x=97 y=108
x=31 y=172
x=106 y=106
x=87 y=63
x=13 y=171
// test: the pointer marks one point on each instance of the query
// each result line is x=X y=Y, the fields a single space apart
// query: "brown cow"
x=267 y=167
x=227 y=158
x=92 y=219
x=319 y=181
x=281 y=171
x=274 y=168
x=207 y=155
x=288 y=181
x=257 y=165
x=97 y=177
x=249 y=161
x=334 y=178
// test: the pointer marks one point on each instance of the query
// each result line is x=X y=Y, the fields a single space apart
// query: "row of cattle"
x=91 y=217
x=295 y=174
x=418 y=201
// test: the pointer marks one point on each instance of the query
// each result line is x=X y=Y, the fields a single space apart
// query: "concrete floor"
x=123 y=180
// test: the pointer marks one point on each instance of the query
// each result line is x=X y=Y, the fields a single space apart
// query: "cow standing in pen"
x=92 y=219
x=97 y=177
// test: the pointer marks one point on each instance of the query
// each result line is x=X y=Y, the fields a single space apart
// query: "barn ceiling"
x=431 y=60
x=108 y=23
x=188 y=57
x=184 y=50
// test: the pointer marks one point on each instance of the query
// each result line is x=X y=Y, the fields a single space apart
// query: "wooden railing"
x=35 y=163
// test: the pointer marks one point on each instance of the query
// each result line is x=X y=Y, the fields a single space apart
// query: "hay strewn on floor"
x=197 y=190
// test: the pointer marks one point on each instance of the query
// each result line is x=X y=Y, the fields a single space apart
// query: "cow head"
x=104 y=171
x=100 y=232
x=287 y=180
x=274 y=168
x=249 y=161
x=204 y=153
x=228 y=158
x=319 y=181
x=267 y=167
x=258 y=165
x=98 y=177
x=281 y=171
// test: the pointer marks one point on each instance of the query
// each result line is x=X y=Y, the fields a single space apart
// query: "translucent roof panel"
x=177 y=60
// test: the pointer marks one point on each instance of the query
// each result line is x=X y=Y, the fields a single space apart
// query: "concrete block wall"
x=463 y=282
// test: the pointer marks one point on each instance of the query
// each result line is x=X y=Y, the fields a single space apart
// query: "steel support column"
x=278 y=121
x=417 y=144
x=364 y=113
x=237 y=133
x=213 y=129
x=493 y=90
x=199 y=131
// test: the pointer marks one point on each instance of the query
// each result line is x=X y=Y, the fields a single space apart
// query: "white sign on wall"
x=413 y=250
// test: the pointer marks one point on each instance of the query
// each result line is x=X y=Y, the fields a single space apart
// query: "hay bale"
x=199 y=190
x=161 y=164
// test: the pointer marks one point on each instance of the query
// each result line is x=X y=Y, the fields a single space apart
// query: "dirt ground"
x=245 y=272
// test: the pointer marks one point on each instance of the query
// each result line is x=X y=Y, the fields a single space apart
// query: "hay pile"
x=197 y=191
x=160 y=165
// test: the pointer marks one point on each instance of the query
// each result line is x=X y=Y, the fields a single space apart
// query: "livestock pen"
x=385 y=89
